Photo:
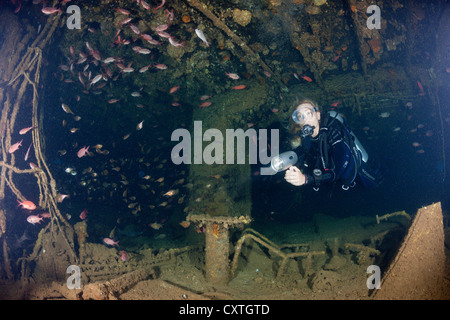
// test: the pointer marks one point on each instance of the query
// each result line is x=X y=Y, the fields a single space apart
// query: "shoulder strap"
x=335 y=130
x=325 y=131
x=347 y=135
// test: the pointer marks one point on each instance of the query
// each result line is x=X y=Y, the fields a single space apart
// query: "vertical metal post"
x=217 y=253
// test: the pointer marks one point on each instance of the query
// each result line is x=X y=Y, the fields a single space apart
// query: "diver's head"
x=306 y=118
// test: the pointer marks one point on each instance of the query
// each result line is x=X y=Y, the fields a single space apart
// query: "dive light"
x=283 y=161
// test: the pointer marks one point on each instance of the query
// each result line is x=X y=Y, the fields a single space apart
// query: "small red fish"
x=160 y=6
x=145 y=5
x=123 y=11
x=422 y=92
x=134 y=28
x=96 y=79
x=205 y=97
x=46 y=215
x=336 y=58
x=162 y=27
x=335 y=104
x=238 y=87
x=121 y=23
x=127 y=69
x=174 y=89
x=307 y=78
x=25 y=130
x=28 y=205
x=164 y=34
x=146 y=37
x=160 y=66
x=143 y=51
x=83 y=214
x=175 y=43
x=34 y=219
x=233 y=76
x=82 y=152
x=50 y=10
x=110 y=242
x=18 y=4
x=205 y=104
x=15 y=146
x=123 y=255
x=144 y=69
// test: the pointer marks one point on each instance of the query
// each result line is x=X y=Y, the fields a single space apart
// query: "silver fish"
x=201 y=36
x=96 y=79
x=28 y=152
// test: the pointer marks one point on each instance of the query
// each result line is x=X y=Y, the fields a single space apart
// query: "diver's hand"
x=294 y=176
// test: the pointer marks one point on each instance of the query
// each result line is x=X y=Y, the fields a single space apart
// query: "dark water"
x=113 y=186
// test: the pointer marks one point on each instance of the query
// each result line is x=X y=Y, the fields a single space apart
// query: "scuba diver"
x=327 y=151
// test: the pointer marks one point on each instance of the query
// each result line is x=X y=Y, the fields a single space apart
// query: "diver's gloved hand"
x=294 y=176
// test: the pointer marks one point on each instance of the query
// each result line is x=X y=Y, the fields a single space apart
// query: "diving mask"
x=303 y=115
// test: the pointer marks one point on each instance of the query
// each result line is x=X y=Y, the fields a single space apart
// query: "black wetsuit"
x=333 y=152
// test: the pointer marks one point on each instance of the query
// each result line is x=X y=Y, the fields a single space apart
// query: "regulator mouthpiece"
x=307 y=131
